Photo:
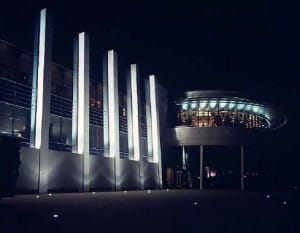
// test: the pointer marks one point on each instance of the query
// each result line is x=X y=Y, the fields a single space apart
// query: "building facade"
x=221 y=118
x=79 y=132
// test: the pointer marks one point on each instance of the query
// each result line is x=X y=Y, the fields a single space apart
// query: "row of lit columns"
x=201 y=164
x=40 y=113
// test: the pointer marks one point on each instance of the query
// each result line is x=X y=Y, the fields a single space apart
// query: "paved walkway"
x=141 y=211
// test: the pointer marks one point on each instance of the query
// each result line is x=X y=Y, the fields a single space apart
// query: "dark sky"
x=234 y=45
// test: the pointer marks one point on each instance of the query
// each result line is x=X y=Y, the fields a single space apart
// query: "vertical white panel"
x=41 y=92
x=154 y=120
x=40 y=80
x=113 y=108
x=135 y=112
x=83 y=105
x=81 y=83
x=113 y=113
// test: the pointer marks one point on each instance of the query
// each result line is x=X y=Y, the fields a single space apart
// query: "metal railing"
x=15 y=93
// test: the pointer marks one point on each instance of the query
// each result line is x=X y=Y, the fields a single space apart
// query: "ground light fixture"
x=195 y=203
x=149 y=191
x=93 y=193
x=268 y=196
x=50 y=194
x=37 y=196
x=284 y=202
x=55 y=215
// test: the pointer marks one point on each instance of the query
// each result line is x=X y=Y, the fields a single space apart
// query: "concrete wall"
x=102 y=173
x=129 y=174
x=65 y=170
x=29 y=169
x=150 y=174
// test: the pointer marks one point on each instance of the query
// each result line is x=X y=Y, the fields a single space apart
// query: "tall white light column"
x=133 y=120
x=111 y=112
x=41 y=91
x=156 y=147
x=83 y=106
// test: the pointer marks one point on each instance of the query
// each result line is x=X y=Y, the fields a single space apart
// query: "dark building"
x=81 y=131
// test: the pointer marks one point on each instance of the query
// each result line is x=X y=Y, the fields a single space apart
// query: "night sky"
x=233 y=45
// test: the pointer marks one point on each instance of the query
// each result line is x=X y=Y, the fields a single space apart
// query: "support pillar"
x=242 y=168
x=41 y=92
x=184 y=159
x=153 y=114
x=201 y=168
x=133 y=120
x=111 y=113
x=83 y=106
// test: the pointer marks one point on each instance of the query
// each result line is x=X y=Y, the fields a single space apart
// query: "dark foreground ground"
x=159 y=211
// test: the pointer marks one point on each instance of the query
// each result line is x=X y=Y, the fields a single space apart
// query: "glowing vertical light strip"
x=154 y=120
x=81 y=87
x=111 y=105
x=135 y=112
x=40 y=80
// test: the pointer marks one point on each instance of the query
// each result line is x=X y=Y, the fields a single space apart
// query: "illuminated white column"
x=111 y=112
x=41 y=91
x=242 y=168
x=155 y=127
x=201 y=168
x=133 y=120
x=83 y=106
x=133 y=113
x=75 y=97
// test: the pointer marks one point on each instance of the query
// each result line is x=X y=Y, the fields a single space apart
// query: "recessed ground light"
x=149 y=191
x=37 y=196
x=49 y=194
x=167 y=190
x=284 y=202
x=268 y=196
x=195 y=203
x=55 y=215
x=94 y=193
x=125 y=191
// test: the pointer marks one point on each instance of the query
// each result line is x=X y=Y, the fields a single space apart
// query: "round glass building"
x=225 y=109
x=221 y=119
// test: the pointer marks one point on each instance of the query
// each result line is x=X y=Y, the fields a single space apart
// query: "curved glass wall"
x=222 y=113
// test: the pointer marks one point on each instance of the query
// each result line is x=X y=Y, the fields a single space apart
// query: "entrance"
x=221 y=167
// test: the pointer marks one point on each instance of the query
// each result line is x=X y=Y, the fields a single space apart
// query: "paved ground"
x=157 y=211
